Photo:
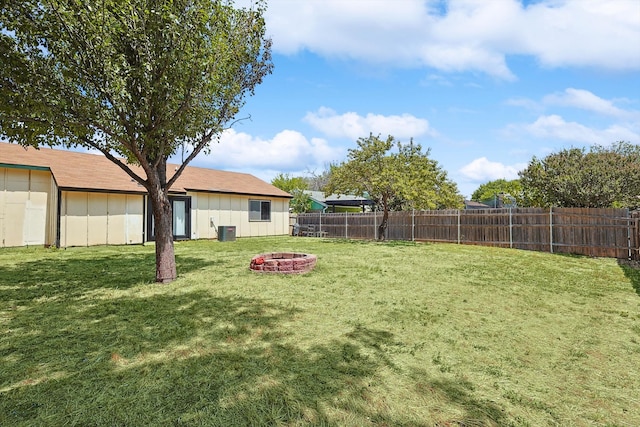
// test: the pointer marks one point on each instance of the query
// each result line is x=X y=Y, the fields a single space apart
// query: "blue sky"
x=485 y=84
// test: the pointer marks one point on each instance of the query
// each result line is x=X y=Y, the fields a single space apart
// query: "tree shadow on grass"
x=70 y=277
x=126 y=360
x=190 y=359
x=186 y=359
x=459 y=394
x=631 y=270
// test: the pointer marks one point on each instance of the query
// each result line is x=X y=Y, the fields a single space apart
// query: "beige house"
x=61 y=198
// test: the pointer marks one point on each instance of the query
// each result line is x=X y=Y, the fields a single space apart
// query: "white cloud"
x=287 y=151
x=580 y=99
x=471 y=35
x=482 y=170
x=598 y=33
x=353 y=126
x=585 y=100
x=555 y=127
x=623 y=124
x=525 y=103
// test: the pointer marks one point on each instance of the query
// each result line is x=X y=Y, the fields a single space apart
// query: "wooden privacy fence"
x=595 y=232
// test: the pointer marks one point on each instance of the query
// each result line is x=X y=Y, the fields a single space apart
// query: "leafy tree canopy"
x=134 y=79
x=599 y=178
x=395 y=176
x=295 y=186
x=488 y=192
x=301 y=201
x=289 y=183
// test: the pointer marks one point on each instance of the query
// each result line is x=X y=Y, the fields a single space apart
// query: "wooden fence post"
x=551 y=229
x=375 y=224
x=346 y=225
x=458 y=226
x=637 y=245
x=510 y=228
x=628 y=234
x=413 y=225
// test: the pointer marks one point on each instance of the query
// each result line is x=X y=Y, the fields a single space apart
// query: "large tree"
x=137 y=80
x=489 y=192
x=395 y=176
x=600 y=177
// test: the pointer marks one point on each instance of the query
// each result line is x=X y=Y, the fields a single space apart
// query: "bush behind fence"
x=594 y=232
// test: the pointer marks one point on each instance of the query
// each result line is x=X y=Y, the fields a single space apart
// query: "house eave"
x=238 y=193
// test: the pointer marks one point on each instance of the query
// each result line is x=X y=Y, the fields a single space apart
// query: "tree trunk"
x=163 y=222
x=382 y=228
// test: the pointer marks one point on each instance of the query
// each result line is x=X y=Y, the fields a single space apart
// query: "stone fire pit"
x=283 y=262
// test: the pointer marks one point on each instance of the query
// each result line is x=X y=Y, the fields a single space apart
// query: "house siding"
x=29 y=214
x=88 y=219
x=210 y=210
x=28 y=199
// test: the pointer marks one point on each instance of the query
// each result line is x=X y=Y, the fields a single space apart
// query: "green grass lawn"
x=391 y=334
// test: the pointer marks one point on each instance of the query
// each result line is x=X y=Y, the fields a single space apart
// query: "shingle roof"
x=94 y=172
x=338 y=199
x=471 y=204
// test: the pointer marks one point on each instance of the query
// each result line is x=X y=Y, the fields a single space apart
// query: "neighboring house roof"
x=94 y=172
x=338 y=199
x=346 y=200
x=470 y=204
x=317 y=198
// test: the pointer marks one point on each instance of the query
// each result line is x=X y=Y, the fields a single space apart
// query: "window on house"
x=259 y=210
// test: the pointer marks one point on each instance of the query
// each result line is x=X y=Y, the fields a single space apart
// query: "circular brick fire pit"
x=283 y=262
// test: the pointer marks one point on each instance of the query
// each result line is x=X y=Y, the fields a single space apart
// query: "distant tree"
x=136 y=80
x=395 y=180
x=490 y=191
x=295 y=186
x=626 y=158
x=317 y=181
x=598 y=178
x=289 y=183
x=301 y=201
